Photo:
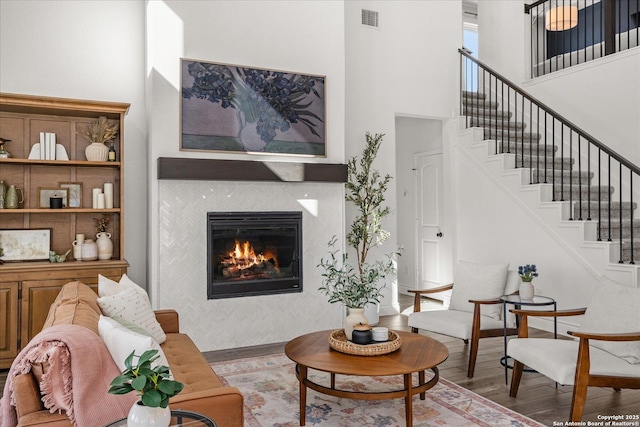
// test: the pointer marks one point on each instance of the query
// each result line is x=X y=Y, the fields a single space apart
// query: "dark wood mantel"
x=249 y=170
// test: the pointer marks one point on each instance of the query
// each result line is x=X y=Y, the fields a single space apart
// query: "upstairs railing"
x=598 y=183
x=569 y=32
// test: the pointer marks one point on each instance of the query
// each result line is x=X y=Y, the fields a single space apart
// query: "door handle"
x=439 y=234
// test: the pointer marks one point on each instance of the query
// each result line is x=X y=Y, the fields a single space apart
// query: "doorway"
x=419 y=179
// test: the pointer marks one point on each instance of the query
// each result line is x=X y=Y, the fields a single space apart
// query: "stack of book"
x=47 y=149
x=47 y=146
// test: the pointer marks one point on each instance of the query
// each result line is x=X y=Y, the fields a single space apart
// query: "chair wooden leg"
x=581 y=381
x=518 y=367
x=473 y=355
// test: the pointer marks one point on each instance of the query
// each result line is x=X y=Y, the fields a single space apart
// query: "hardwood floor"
x=538 y=397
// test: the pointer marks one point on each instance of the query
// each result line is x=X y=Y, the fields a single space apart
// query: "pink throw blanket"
x=77 y=382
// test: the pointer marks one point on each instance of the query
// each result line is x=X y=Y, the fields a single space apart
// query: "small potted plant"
x=154 y=386
x=527 y=273
x=98 y=134
x=357 y=285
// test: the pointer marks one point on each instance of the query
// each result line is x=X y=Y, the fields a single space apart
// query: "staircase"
x=590 y=182
x=591 y=201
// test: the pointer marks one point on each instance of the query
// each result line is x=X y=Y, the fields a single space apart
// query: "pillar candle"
x=96 y=191
x=100 y=200
x=108 y=195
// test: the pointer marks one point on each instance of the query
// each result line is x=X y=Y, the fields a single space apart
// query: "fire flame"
x=243 y=256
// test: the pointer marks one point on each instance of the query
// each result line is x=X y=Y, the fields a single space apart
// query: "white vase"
x=105 y=245
x=89 y=250
x=96 y=152
x=526 y=290
x=250 y=138
x=146 y=416
x=354 y=316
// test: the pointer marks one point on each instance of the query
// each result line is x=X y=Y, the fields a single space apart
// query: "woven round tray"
x=338 y=341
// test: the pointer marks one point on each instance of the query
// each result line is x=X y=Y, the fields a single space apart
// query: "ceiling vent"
x=370 y=18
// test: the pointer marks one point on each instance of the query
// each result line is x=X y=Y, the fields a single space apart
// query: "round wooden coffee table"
x=416 y=354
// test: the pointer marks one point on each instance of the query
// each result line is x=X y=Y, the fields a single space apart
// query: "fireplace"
x=253 y=253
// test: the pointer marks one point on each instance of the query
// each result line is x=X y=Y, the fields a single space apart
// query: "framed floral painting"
x=234 y=108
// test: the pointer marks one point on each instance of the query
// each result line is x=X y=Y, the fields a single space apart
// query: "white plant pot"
x=526 y=290
x=146 y=416
x=96 y=152
x=354 y=316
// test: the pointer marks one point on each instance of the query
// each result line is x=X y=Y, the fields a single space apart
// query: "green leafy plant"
x=153 y=385
x=357 y=285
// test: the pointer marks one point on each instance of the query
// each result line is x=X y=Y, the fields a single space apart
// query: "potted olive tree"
x=359 y=284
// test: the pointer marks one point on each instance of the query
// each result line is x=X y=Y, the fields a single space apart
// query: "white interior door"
x=429 y=208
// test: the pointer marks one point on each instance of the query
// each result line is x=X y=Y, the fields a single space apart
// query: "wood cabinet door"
x=37 y=296
x=8 y=323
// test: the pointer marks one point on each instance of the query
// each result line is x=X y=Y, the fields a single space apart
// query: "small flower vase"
x=96 y=152
x=526 y=290
x=354 y=316
x=146 y=416
x=105 y=245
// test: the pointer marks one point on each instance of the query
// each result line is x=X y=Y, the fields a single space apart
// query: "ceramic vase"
x=89 y=250
x=526 y=290
x=105 y=245
x=3 y=192
x=96 y=152
x=12 y=200
x=354 y=316
x=146 y=416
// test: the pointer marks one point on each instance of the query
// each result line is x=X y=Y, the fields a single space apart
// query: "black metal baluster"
x=553 y=170
x=599 y=194
x=609 y=192
x=589 y=180
x=621 y=228
x=546 y=167
x=579 y=178
x=631 y=212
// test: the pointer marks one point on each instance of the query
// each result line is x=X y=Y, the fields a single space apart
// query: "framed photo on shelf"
x=25 y=245
x=234 y=108
x=75 y=193
x=44 y=194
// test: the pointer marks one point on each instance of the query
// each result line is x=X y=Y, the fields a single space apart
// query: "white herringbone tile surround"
x=239 y=322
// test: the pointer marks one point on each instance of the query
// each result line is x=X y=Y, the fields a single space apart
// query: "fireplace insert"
x=253 y=253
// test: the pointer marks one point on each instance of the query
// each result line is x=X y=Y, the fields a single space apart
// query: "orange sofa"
x=203 y=391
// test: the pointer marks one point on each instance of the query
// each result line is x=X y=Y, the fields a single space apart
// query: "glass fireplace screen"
x=253 y=253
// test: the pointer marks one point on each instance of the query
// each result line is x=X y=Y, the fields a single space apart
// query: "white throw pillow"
x=478 y=281
x=133 y=306
x=121 y=341
x=614 y=309
x=108 y=287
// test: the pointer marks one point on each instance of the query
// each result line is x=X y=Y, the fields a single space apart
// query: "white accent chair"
x=475 y=310
x=606 y=352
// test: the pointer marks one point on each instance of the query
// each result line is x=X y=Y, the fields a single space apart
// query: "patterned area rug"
x=270 y=390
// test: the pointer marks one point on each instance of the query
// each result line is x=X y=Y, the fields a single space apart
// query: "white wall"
x=305 y=37
x=86 y=50
x=408 y=66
